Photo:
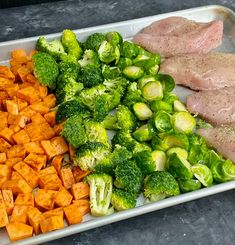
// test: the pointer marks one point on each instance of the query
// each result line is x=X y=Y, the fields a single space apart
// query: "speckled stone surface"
x=206 y=221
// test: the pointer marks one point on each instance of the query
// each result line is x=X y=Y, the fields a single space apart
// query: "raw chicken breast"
x=202 y=72
x=222 y=139
x=215 y=106
x=178 y=35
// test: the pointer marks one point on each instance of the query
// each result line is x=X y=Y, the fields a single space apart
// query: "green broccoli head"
x=71 y=44
x=159 y=185
x=67 y=88
x=96 y=132
x=70 y=69
x=90 y=154
x=45 y=69
x=91 y=76
x=128 y=177
x=53 y=48
x=100 y=193
x=110 y=72
x=118 y=84
x=74 y=132
x=122 y=200
x=90 y=57
x=94 y=41
x=70 y=108
x=129 y=50
x=126 y=120
x=105 y=166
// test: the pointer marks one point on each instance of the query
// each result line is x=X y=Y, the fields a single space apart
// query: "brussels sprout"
x=145 y=79
x=179 y=151
x=179 y=106
x=110 y=72
x=199 y=154
x=107 y=52
x=159 y=158
x=203 y=174
x=162 y=121
x=216 y=164
x=141 y=60
x=124 y=62
x=179 y=167
x=129 y=50
x=202 y=124
x=156 y=143
x=152 y=91
x=133 y=72
x=114 y=38
x=183 y=122
x=158 y=105
x=142 y=111
x=170 y=98
x=142 y=134
x=228 y=170
x=189 y=185
x=174 y=140
x=167 y=81
x=151 y=65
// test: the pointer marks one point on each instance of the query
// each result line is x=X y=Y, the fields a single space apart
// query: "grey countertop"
x=209 y=220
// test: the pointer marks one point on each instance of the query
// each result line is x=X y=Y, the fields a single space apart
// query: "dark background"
x=209 y=220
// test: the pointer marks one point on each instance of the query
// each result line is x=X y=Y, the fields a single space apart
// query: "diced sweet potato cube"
x=53 y=212
x=28 y=112
x=3 y=217
x=50 y=182
x=40 y=107
x=37 y=118
x=5 y=171
x=17 y=231
x=2 y=180
x=34 y=218
x=18 y=54
x=34 y=147
x=3 y=96
x=12 y=107
x=25 y=199
x=38 y=132
x=7 y=134
x=57 y=162
x=8 y=200
x=37 y=162
x=72 y=214
x=16 y=175
x=80 y=190
x=12 y=161
x=12 y=90
x=50 y=118
x=58 y=128
x=63 y=198
x=21 y=137
x=15 y=128
x=3 y=119
x=30 y=94
x=32 y=79
x=45 y=199
x=16 y=186
x=46 y=171
x=79 y=174
x=5 y=82
x=48 y=148
x=19 y=213
x=23 y=73
x=5 y=72
x=51 y=223
x=3 y=157
x=27 y=173
x=22 y=104
x=19 y=120
x=50 y=100
x=67 y=178
x=42 y=91
x=59 y=145
x=16 y=151
x=83 y=206
x=4 y=145
x=71 y=152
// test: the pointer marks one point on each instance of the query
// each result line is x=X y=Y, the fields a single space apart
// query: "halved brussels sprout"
x=183 y=122
x=189 y=185
x=179 y=151
x=159 y=105
x=179 y=106
x=162 y=121
x=159 y=158
x=107 y=52
x=142 y=111
x=145 y=79
x=152 y=91
x=142 y=133
x=133 y=72
x=203 y=174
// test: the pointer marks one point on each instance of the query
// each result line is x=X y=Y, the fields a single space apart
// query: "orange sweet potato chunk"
x=5 y=72
x=44 y=199
x=67 y=178
x=40 y=107
x=12 y=161
x=3 y=119
x=5 y=171
x=34 y=147
x=51 y=223
x=16 y=186
x=7 y=134
x=16 y=151
x=63 y=198
x=12 y=107
x=51 y=118
x=4 y=145
x=50 y=182
x=15 y=175
x=72 y=214
x=29 y=94
x=8 y=200
x=53 y=212
x=37 y=162
x=19 y=120
x=3 y=157
x=80 y=190
x=25 y=199
x=12 y=90
x=59 y=145
x=19 y=213
x=48 y=148
x=23 y=73
x=21 y=137
x=79 y=174
x=3 y=216
x=50 y=100
x=57 y=162
x=83 y=206
x=17 y=231
x=49 y=170
x=34 y=218
x=37 y=118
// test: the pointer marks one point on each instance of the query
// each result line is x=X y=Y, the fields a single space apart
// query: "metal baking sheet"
x=128 y=29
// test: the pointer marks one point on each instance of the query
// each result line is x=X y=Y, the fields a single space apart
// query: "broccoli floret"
x=53 y=48
x=122 y=200
x=90 y=57
x=118 y=84
x=45 y=69
x=70 y=69
x=96 y=132
x=128 y=177
x=159 y=185
x=74 y=132
x=90 y=154
x=70 y=108
x=100 y=193
x=71 y=44
x=94 y=41
x=67 y=88
x=110 y=122
x=129 y=50
x=110 y=72
x=91 y=76
x=126 y=120
x=105 y=166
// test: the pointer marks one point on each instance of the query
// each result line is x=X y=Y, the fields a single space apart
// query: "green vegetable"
x=126 y=120
x=118 y=84
x=124 y=62
x=133 y=72
x=189 y=185
x=183 y=122
x=108 y=53
x=110 y=122
x=90 y=57
x=129 y=50
x=69 y=69
x=162 y=121
x=199 y=154
x=228 y=169
x=45 y=69
x=179 y=151
x=143 y=133
x=159 y=185
x=101 y=186
x=159 y=105
x=114 y=38
x=91 y=76
x=159 y=158
x=202 y=124
x=145 y=79
x=110 y=72
x=142 y=111
x=167 y=81
x=203 y=174
x=122 y=200
x=152 y=91
x=94 y=41
x=179 y=106
x=179 y=167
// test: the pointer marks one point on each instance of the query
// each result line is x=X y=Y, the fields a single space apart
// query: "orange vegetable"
x=27 y=112
x=3 y=119
x=50 y=182
x=16 y=186
x=59 y=145
x=3 y=157
x=21 y=137
x=50 y=118
x=57 y=162
x=79 y=174
x=83 y=206
x=51 y=223
x=31 y=79
x=37 y=118
x=50 y=100
x=18 y=54
x=80 y=190
x=25 y=199
x=5 y=72
x=5 y=171
x=12 y=90
x=3 y=216
x=19 y=213
x=67 y=178
x=53 y=212
x=16 y=151
x=16 y=175
x=37 y=162
x=17 y=231
x=58 y=128
x=63 y=198
x=34 y=218
x=12 y=161
x=72 y=214
x=8 y=200
x=12 y=107
x=29 y=94
x=32 y=52
x=71 y=152
x=42 y=91
x=22 y=104
x=23 y=73
x=48 y=148
x=4 y=145
x=45 y=199
x=15 y=128
x=19 y=120
x=48 y=170
x=7 y=134
x=40 y=107
x=34 y=147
